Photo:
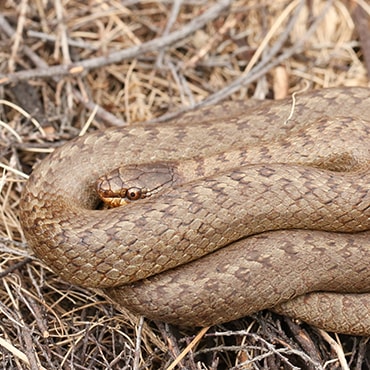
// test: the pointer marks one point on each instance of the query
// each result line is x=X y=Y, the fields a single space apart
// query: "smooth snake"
x=285 y=202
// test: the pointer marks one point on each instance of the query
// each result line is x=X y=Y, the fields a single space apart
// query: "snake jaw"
x=121 y=197
x=126 y=184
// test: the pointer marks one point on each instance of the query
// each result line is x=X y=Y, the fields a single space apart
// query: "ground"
x=67 y=67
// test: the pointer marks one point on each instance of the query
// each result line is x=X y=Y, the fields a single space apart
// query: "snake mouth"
x=130 y=183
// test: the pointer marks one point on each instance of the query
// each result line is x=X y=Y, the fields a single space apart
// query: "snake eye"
x=133 y=193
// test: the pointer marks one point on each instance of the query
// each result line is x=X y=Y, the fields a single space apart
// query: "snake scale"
x=253 y=211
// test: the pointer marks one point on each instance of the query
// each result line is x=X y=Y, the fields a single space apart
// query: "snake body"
x=258 y=212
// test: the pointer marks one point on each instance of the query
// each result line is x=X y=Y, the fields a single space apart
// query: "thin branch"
x=89 y=104
x=260 y=69
x=119 y=56
x=18 y=35
x=71 y=42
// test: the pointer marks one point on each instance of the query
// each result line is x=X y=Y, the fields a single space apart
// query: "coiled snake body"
x=257 y=212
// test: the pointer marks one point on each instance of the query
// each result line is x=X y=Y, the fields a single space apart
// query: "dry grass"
x=68 y=63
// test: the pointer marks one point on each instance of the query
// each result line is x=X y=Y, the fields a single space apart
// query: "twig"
x=270 y=349
x=62 y=35
x=176 y=5
x=188 y=348
x=15 y=266
x=18 y=34
x=260 y=69
x=16 y=352
x=25 y=114
x=13 y=170
x=138 y=343
x=100 y=112
x=119 y=56
x=277 y=24
x=336 y=347
x=71 y=42
x=204 y=50
x=361 y=21
x=266 y=63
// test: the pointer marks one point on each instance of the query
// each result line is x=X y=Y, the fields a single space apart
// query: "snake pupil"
x=134 y=193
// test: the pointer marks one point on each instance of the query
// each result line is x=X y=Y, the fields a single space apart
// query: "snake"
x=249 y=205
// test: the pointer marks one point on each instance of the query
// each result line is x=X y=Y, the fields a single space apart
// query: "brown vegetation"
x=70 y=66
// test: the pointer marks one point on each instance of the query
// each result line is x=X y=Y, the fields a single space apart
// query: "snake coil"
x=258 y=212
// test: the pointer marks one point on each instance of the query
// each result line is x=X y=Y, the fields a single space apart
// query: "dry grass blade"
x=67 y=67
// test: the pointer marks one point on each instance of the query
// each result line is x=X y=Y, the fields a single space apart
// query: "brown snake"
x=286 y=204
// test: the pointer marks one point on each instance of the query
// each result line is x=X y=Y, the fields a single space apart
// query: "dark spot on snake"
x=266 y=172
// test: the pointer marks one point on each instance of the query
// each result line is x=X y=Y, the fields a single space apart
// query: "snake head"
x=126 y=184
